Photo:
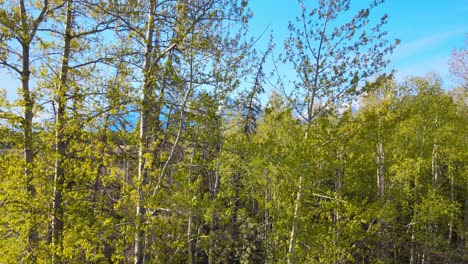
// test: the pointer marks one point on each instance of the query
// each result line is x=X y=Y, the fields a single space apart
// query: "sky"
x=429 y=31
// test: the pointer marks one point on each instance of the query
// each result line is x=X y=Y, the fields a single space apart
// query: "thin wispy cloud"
x=435 y=64
x=423 y=44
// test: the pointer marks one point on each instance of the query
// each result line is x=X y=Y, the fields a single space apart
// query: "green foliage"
x=154 y=122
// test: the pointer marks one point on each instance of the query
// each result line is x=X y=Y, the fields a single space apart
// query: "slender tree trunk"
x=189 y=238
x=380 y=162
x=144 y=140
x=297 y=203
x=213 y=226
x=435 y=172
x=434 y=158
x=412 y=248
x=380 y=159
x=234 y=256
x=382 y=252
x=214 y=215
x=28 y=149
x=336 y=213
x=312 y=88
x=267 y=239
x=27 y=124
x=292 y=238
x=452 y=199
x=190 y=216
x=464 y=232
x=60 y=142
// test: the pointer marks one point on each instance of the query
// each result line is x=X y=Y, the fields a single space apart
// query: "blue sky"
x=428 y=30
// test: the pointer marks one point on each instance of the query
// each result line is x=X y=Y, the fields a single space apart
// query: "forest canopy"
x=159 y=132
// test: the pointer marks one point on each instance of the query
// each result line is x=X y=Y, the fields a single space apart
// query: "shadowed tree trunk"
x=24 y=29
x=60 y=141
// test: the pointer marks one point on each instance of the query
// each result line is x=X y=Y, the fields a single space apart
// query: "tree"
x=174 y=34
x=150 y=144
x=458 y=66
x=19 y=23
x=332 y=61
x=75 y=63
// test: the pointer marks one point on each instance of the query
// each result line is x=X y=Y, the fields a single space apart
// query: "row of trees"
x=139 y=136
x=92 y=63
x=384 y=184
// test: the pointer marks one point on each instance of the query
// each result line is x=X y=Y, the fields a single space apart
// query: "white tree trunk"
x=142 y=179
x=380 y=162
